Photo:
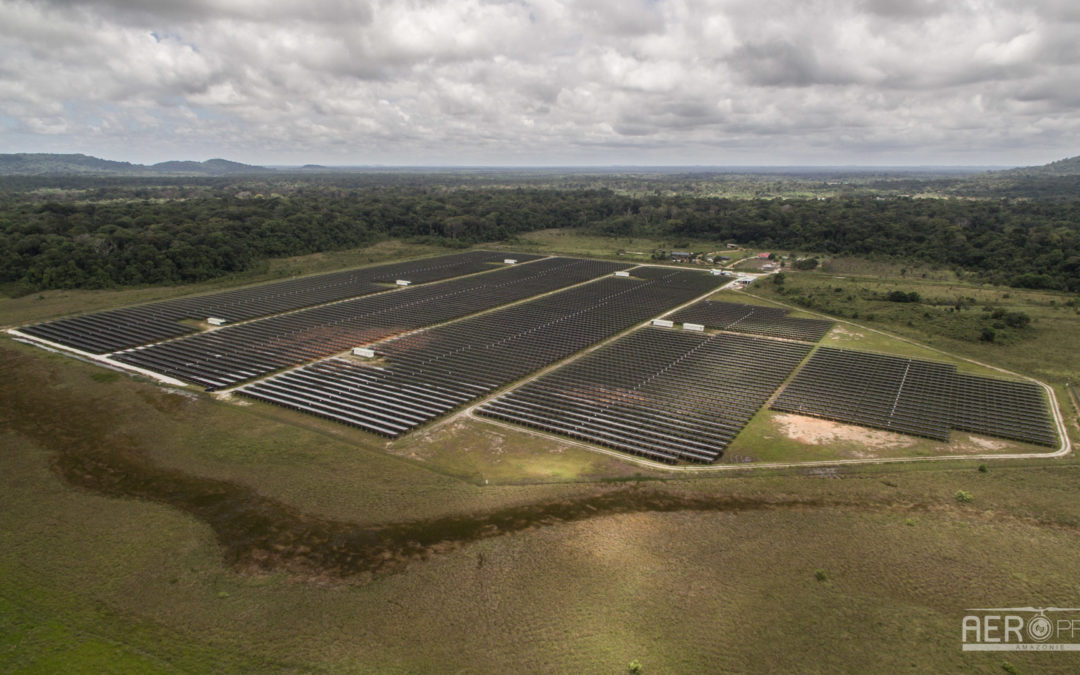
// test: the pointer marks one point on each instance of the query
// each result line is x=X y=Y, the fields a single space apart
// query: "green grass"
x=569 y=241
x=95 y=583
x=488 y=453
x=877 y=269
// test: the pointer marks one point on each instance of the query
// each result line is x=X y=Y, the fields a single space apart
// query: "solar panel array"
x=753 y=319
x=658 y=393
x=1015 y=410
x=108 y=331
x=916 y=397
x=230 y=355
x=429 y=373
x=886 y=392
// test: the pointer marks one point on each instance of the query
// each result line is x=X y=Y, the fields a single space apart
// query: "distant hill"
x=1062 y=167
x=42 y=164
x=212 y=167
x=36 y=164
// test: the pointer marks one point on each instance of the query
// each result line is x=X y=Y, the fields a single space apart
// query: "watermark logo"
x=1015 y=629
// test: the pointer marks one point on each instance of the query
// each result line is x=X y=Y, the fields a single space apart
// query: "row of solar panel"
x=917 y=397
x=752 y=319
x=108 y=331
x=230 y=355
x=429 y=373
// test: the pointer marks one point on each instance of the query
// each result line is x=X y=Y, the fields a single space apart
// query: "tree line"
x=100 y=234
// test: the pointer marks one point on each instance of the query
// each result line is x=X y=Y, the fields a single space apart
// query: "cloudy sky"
x=544 y=82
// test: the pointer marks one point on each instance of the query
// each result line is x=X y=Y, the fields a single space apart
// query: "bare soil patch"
x=976 y=445
x=816 y=431
x=841 y=333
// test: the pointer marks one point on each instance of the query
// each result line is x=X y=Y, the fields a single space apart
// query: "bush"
x=806 y=264
x=635 y=667
x=900 y=296
x=983 y=468
x=964 y=497
x=1032 y=280
x=820 y=575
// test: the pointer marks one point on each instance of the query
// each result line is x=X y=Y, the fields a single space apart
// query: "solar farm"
x=436 y=335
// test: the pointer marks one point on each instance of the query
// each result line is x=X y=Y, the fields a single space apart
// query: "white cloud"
x=544 y=81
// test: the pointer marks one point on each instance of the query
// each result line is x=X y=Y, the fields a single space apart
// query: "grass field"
x=721 y=578
x=154 y=530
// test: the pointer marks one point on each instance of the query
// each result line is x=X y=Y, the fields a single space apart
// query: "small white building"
x=694 y=327
x=402 y=282
x=663 y=323
x=215 y=321
x=365 y=352
x=622 y=274
x=510 y=261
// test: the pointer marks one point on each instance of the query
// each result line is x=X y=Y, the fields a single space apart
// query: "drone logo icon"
x=1004 y=629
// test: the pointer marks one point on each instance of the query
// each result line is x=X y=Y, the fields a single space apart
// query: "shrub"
x=1017 y=320
x=635 y=667
x=820 y=575
x=900 y=296
x=983 y=468
x=964 y=497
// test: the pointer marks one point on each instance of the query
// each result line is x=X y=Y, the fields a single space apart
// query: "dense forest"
x=106 y=232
